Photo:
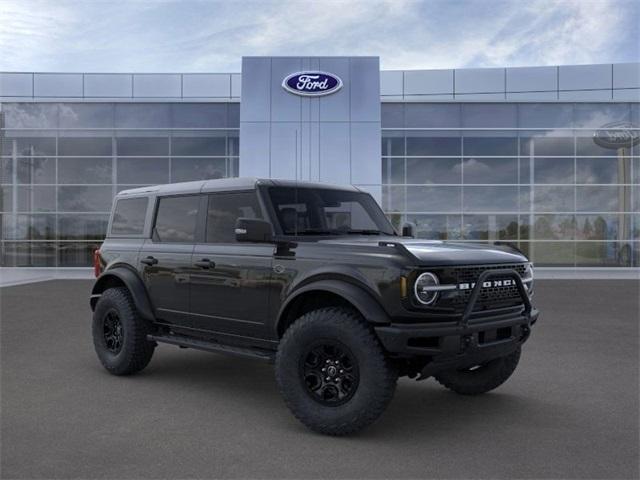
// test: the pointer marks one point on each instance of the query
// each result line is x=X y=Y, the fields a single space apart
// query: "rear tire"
x=120 y=334
x=481 y=379
x=357 y=382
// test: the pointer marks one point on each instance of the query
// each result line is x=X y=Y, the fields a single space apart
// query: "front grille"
x=492 y=297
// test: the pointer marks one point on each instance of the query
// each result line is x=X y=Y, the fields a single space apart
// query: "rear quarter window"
x=129 y=216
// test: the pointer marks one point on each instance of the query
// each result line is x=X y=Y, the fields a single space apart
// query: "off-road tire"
x=135 y=352
x=481 y=380
x=377 y=377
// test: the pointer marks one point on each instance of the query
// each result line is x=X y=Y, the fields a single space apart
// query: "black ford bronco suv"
x=313 y=278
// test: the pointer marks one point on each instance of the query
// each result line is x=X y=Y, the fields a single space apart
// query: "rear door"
x=166 y=257
x=230 y=288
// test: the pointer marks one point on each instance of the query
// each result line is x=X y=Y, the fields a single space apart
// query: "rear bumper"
x=449 y=345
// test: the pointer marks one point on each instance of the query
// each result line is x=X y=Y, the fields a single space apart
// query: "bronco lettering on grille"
x=487 y=284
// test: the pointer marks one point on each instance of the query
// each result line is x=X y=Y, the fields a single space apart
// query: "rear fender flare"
x=134 y=284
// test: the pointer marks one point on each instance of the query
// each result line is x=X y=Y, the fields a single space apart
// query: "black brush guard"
x=459 y=345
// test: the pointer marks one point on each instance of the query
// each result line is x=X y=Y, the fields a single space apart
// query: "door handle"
x=205 y=263
x=149 y=261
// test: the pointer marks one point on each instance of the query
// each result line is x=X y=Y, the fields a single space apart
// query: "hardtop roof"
x=225 y=185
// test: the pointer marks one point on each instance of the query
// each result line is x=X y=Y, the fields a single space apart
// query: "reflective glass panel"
x=28 y=227
x=6 y=170
x=200 y=115
x=84 y=199
x=432 y=115
x=546 y=146
x=545 y=115
x=6 y=199
x=393 y=199
x=141 y=171
x=392 y=143
x=490 y=146
x=86 y=115
x=142 y=115
x=490 y=227
x=436 y=227
x=143 y=146
x=603 y=254
x=489 y=115
x=490 y=170
x=198 y=146
x=490 y=199
x=553 y=199
x=433 y=199
x=553 y=170
x=423 y=145
x=434 y=170
x=186 y=169
x=603 y=170
x=392 y=115
x=30 y=115
x=85 y=170
x=82 y=226
x=76 y=254
x=603 y=227
x=553 y=254
x=393 y=170
x=84 y=146
x=554 y=227
x=602 y=198
x=36 y=198
x=40 y=254
x=36 y=170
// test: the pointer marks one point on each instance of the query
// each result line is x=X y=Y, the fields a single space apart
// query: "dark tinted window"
x=176 y=219
x=128 y=218
x=224 y=209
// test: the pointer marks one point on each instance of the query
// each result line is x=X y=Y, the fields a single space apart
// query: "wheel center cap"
x=331 y=371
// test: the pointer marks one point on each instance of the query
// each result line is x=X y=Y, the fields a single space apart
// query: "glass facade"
x=529 y=174
x=62 y=164
x=525 y=173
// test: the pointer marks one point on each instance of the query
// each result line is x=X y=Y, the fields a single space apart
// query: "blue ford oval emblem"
x=312 y=84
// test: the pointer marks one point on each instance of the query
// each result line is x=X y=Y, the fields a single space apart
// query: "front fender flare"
x=134 y=284
x=357 y=296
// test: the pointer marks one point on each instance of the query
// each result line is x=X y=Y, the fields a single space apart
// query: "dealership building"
x=545 y=158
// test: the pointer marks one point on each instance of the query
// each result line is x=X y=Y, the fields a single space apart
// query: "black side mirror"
x=408 y=230
x=253 y=230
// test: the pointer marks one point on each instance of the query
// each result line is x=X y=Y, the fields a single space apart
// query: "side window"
x=224 y=209
x=129 y=215
x=176 y=219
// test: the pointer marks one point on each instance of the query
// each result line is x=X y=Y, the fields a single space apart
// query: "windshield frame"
x=372 y=208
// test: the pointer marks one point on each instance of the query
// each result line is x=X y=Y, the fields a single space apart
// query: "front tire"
x=120 y=334
x=333 y=373
x=480 y=379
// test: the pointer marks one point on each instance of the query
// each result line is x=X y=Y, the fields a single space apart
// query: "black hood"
x=434 y=252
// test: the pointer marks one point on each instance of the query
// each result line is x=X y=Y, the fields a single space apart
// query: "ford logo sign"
x=617 y=135
x=312 y=84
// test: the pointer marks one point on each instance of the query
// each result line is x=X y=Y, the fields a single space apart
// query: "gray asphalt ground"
x=570 y=411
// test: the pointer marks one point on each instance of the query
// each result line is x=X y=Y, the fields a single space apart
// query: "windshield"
x=320 y=211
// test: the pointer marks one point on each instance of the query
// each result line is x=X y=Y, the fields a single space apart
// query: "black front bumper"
x=473 y=339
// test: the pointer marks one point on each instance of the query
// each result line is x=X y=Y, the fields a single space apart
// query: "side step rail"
x=187 y=342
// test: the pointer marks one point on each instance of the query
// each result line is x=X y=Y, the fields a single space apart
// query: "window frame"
x=143 y=234
x=198 y=231
x=205 y=214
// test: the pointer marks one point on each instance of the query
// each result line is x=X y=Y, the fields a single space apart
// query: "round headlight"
x=424 y=289
x=528 y=278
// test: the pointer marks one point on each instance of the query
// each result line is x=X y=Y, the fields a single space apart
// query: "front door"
x=165 y=259
x=230 y=283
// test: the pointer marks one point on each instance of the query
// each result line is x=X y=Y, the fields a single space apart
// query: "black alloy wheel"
x=113 y=333
x=330 y=373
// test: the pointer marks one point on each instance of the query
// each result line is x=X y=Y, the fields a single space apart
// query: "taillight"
x=97 y=263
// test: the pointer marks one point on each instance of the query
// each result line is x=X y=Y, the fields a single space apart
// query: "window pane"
x=392 y=115
x=83 y=115
x=82 y=226
x=6 y=199
x=434 y=170
x=587 y=147
x=545 y=115
x=84 y=199
x=392 y=144
x=36 y=199
x=430 y=115
x=129 y=215
x=176 y=219
x=490 y=146
x=598 y=114
x=84 y=170
x=393 y=170
x=554 y=227
x=490 y=227
x=28 y=227
x=490 y=170
x=35 y=146
x=603 y=170
x=436 y=227
x=142 y=115
x=84 y=146
x=36 y=170
x=198 y=146
x=603 y=199
x=186 y=169
x=432 y=146
x=603 y=254
x=76 y=254
x=40 y=254
x=433 y=199
x=553 y=254
x=233 y=115
x=6 y=170
x=199 y=115
x=490 y=199
x=224 y=210
x=604 y=227
x=553 y=170
x=30 y=115
x=546 y=146
x=137 y=171
x=142 y=146
x=489 y=115
x=553 y=199
x=393 y=199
